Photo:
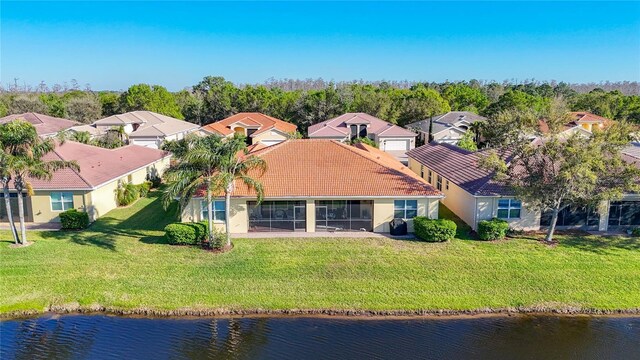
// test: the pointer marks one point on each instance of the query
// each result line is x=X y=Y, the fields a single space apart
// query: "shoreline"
x=352 y=314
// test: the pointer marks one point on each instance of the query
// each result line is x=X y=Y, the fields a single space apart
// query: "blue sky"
x=112 y=45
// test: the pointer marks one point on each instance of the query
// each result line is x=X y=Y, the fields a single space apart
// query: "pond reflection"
x=518 y=337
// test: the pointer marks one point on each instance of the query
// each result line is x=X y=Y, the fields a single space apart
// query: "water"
x=106 y=337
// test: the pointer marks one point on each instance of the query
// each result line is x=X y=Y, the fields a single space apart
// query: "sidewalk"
x=33 y=226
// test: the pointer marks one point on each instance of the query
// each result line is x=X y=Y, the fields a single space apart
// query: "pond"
x=516 y=337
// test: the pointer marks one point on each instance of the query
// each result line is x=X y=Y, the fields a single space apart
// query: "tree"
x=84 y=109
x=109 y=101
x=217 y=96
x=516 y=100
x=24 y=104
x=54 y=103
x=25 y=151
x=214 y=165
x=5 y=179
x=555 y=171
x=467 y=142
x=422 y=103
x=462 y=97
x=151 y=98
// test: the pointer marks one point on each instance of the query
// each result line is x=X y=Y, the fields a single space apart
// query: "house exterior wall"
x=382 y=213
x=487 y=209
x=448 y=136
x=41 y=204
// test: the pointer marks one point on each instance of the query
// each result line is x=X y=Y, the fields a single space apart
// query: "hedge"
x=434 y=230
x=73 y=219
x=494 y=229
x=182 y=233
x=143 y=189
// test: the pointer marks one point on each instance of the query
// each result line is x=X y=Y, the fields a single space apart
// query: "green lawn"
x=122 y=262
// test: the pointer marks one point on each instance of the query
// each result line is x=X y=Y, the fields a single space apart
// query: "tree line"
x=306 y=102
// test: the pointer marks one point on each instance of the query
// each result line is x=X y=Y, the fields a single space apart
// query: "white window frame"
x=512 y=205
x=446 y=184
x=405 y=207
x=430 y=180
x=439 y=183
x=62 y=200
x=203 y=210
x=422 y=171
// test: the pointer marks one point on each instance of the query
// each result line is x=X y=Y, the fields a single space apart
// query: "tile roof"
x=459 y=166
x=97 y=165
x=445 y=121
x=375 y=126
x=328 y=168
x=265 y=122
x=44 y=124
x=151 y=124
x=580 y=117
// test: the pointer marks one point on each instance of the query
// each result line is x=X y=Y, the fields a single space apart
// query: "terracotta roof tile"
x=44 y=124
x=250 y=119
x=319 y=168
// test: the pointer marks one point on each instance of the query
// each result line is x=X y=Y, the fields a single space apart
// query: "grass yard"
x=122 y=262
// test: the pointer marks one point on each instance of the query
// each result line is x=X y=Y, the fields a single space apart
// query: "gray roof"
x=445 y=121
x=461 y=167
x=151 y=124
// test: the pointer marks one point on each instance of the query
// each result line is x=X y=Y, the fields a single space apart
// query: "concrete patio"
x=339 y=234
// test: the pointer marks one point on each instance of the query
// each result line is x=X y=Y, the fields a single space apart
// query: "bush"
x=494 y=229
x=218 y=236
x=127 y=194
x=143 y=189
x=635 y=231
x=433 y=230
x=182 y=233
x=154 y=180
x=73 y=219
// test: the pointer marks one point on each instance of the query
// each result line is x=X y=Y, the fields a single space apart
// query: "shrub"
x=143 y=189
x=635 y=231
x=494 y=229
x=73 y=219
x=218 y=236
x=433 y=230
x=155 y=181
x=182 y=234
x=127 y=194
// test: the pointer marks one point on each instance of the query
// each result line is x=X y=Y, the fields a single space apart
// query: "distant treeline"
x=305 y=102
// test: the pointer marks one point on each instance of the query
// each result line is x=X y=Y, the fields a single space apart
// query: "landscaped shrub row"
x=494 y=229
x=192 y=234
x=128 y=193
x=73 y=219
x=433 y=230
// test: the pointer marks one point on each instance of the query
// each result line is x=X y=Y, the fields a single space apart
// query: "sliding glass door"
x=277 y=216
x=344 y=215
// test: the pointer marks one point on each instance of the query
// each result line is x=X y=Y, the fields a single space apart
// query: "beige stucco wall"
x=41 y=205
x=488 y=209
x=269 y=135
x=382 y=213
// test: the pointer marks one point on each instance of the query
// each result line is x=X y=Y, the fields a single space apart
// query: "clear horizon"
x=112 y=45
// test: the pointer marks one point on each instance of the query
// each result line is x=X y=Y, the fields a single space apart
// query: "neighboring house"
x=144 y=128
x=93 y=188
x=473 y=195
x=446 y=128
x=582 y=123
x=315 y=185
x=257 y=127
x=388 y=137
x=46 y=126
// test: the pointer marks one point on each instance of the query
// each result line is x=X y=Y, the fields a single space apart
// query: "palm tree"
x=235 y=165
x=212 y=164
x=24 y=151
x=5 y=179
x=476 y=128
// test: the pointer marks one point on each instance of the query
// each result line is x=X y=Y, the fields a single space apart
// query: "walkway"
x=33 y=226
x=340 y=234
